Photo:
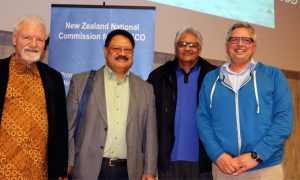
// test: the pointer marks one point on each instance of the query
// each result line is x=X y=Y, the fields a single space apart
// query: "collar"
x=226 y=70
x=21 y=69
x=112 y=75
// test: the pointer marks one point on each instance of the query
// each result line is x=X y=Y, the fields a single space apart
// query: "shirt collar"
x=21 y=68
x=112 y=75
x=226 y=70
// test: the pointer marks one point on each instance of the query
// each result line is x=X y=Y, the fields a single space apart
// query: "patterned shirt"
x=24 y=125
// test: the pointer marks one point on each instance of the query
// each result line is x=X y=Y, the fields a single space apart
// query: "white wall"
x=279 y=47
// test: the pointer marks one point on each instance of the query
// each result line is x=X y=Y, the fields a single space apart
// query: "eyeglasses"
x=189 y=44
x=236 y=40
x=118 y=49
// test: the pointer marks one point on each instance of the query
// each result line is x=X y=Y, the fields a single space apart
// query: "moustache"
x=36 y=50
x=120 y=57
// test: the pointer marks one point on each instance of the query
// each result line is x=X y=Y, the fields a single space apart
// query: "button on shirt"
x=117 y=103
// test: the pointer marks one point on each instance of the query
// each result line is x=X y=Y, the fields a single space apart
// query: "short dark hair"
x=119 y=32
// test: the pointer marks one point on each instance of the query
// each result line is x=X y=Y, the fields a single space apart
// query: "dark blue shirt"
x=186 y=146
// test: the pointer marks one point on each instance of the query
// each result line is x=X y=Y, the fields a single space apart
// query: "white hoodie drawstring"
x=256 y=93
x=212 y=92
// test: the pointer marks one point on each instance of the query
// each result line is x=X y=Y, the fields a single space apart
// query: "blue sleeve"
x=282 y=123
x=204 y=122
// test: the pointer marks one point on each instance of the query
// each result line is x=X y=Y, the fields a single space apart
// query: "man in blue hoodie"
x=246 y=112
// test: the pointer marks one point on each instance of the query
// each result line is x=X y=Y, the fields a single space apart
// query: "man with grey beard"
x=33 y=116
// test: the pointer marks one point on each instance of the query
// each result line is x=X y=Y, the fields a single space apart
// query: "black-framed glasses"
x=119 y=49
x=236 y=40
x=189 y=44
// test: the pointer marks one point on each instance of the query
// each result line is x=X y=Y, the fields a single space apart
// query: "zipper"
x=238 y=125
x=237 y=115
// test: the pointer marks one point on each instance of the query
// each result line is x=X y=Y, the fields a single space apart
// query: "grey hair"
x=191 y=30
x=29 y=18
x=247 y=26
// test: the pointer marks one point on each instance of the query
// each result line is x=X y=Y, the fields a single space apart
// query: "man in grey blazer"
x=118 y=134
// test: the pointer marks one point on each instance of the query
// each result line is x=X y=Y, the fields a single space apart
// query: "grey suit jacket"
x=141 y=131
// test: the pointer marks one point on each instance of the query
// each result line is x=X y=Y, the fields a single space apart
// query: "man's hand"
x=148 y=177
x=62 y=178
x=245 y=161
x=70 y=170
x=227 y=164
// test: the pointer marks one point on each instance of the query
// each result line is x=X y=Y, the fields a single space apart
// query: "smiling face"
x=241 y=52
x=187 y=54
x=29 y=42
x=119 y=54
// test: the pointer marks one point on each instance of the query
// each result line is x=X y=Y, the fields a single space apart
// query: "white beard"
x=30 y=57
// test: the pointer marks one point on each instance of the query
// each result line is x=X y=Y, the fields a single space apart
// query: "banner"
x=78 y=33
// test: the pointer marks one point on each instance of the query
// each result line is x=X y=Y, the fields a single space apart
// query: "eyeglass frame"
x=184 y=44
x=245 y=40
x=119 y=49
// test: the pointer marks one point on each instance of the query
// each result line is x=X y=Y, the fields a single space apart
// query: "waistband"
x=114 y=162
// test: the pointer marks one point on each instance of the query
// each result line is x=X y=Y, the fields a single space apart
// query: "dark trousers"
x=113 y=172
x=183 y=170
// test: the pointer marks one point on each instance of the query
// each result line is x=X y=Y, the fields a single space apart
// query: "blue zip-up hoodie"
x=258 y=117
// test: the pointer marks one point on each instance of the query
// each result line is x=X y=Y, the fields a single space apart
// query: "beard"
x=30 y=55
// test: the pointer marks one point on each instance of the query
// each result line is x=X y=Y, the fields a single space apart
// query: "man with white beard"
x=33 y=116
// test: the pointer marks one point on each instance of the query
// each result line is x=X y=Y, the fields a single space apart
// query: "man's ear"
x=47 y=43
x=14 y=39
x=105 y=51
x=200 y=52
